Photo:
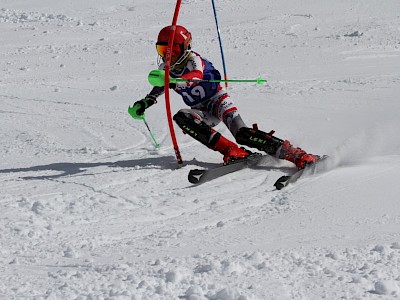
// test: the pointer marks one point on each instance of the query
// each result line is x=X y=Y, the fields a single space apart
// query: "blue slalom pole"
x=220 y=43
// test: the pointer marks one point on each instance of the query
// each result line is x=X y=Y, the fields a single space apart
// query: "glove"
x=138 y=108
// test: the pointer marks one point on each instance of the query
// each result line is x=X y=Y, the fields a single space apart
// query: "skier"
x=210 y=104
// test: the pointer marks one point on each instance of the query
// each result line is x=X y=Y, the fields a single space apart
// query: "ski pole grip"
x=157 y=78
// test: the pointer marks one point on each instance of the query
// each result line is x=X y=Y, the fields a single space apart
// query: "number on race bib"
x=197 y=91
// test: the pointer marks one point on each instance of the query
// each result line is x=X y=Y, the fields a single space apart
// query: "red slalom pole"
x=166 y=83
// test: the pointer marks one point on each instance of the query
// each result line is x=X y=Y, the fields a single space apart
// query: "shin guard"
x=197 y=129
x=258 y=139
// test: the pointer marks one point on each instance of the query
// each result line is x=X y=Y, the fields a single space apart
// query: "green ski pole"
x=259 y=80
x=134 y=115
x=157 y=145
x=156 y=78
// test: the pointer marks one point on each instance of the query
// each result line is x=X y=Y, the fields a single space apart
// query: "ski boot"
x=296 y=155
x=272 y=145
x=232 y=152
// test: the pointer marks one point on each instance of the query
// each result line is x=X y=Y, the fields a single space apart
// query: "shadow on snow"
x=68 y=169
x=65 y=169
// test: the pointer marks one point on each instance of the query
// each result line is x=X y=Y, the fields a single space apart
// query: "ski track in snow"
x=90 y=210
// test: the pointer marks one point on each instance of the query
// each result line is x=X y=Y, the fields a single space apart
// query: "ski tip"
x=195 y=176
x=282 y=182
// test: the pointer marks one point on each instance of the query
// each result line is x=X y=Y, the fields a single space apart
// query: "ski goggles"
x=162 y=50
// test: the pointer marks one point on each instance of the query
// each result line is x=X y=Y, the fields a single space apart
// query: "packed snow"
x=90 y=209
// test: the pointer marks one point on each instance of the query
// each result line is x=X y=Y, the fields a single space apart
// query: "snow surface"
x=91 y=210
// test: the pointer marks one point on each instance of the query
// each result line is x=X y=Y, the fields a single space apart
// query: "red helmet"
x=181 y=42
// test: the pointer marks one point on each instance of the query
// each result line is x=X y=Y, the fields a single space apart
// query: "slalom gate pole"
x=220 y=43
x=166 y=83
x=157 y=145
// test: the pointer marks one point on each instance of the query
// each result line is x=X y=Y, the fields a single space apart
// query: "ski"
x=198 y=176
x=318 y=167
